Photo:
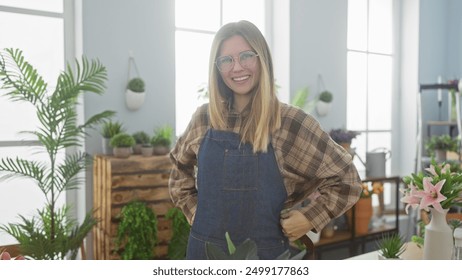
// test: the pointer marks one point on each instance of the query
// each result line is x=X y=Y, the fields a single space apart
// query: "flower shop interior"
x=392 y=69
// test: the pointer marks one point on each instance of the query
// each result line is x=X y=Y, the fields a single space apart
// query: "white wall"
x=318 y=47
x=112 y=28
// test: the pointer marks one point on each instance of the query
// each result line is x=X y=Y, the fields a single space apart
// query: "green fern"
x=52 y=234
x=137 y=232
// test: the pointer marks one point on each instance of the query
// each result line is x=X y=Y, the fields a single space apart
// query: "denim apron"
x=239 y=192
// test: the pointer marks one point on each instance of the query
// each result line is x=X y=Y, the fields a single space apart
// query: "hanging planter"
x=135 y=92
x=323 y=108
x=325 y=98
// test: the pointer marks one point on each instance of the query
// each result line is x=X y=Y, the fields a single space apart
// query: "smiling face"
x=239 y=79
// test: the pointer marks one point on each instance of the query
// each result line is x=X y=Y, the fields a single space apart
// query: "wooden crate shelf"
x=117 y=182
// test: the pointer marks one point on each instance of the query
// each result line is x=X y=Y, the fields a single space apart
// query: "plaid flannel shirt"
x=308 y=160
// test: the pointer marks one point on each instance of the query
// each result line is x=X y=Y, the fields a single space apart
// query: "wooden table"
x=413 y=252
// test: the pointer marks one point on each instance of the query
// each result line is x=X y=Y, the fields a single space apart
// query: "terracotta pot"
x=363 y=213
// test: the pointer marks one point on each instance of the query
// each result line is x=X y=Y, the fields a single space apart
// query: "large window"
x=37 y=28
x=370 y=58
x=195 y=28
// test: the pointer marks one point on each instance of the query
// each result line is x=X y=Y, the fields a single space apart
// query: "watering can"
x=376 y=162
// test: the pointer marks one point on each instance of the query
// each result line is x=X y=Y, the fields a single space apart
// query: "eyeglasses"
x=247 y=59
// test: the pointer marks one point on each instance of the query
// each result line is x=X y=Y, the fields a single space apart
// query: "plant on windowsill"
x=136 y=232
x=53 y=233
x=391 y=246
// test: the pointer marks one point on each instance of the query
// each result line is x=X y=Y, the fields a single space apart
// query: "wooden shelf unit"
x=119 y=181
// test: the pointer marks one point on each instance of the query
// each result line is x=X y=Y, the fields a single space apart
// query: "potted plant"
x=344 y=138
x=135 y=93
x=324 y=103
x=247 y=250
x=122 y=144
x=438 y=145
x=162 y=140
x=391 y=246
x=53 y=233
x=141 y=138
x=301 y=100
x=109 y=129
x=137 y=232
x=180 y=228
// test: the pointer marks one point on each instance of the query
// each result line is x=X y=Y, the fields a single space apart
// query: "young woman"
x=245 y=157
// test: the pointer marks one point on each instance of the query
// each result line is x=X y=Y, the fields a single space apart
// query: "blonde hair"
x=264 y=117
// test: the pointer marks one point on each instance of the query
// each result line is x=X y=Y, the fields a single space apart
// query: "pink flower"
x=6 y=256
x=431 y=194
x=411 y=197
x=444 y=169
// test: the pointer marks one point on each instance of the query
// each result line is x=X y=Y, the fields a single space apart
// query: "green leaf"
x=229 y=242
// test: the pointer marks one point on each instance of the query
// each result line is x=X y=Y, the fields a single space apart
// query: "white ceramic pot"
x=323 y=108
x=134 y=100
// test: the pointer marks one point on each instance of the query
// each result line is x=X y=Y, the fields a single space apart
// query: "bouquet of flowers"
x=438 y=187
x=343 y=136
x=371 y=188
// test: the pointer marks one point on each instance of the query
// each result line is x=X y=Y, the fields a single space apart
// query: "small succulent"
x=391 y=246
x=136 y=85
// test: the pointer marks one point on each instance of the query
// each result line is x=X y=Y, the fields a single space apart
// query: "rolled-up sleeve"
x=182 y=182
x=312 y=162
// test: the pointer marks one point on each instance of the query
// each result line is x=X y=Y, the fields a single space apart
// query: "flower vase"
x=363 y=214
x=438 y=242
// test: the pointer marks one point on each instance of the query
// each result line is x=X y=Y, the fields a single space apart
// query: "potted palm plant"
x=122 y=144
x=135 y=93
x=53 y=233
